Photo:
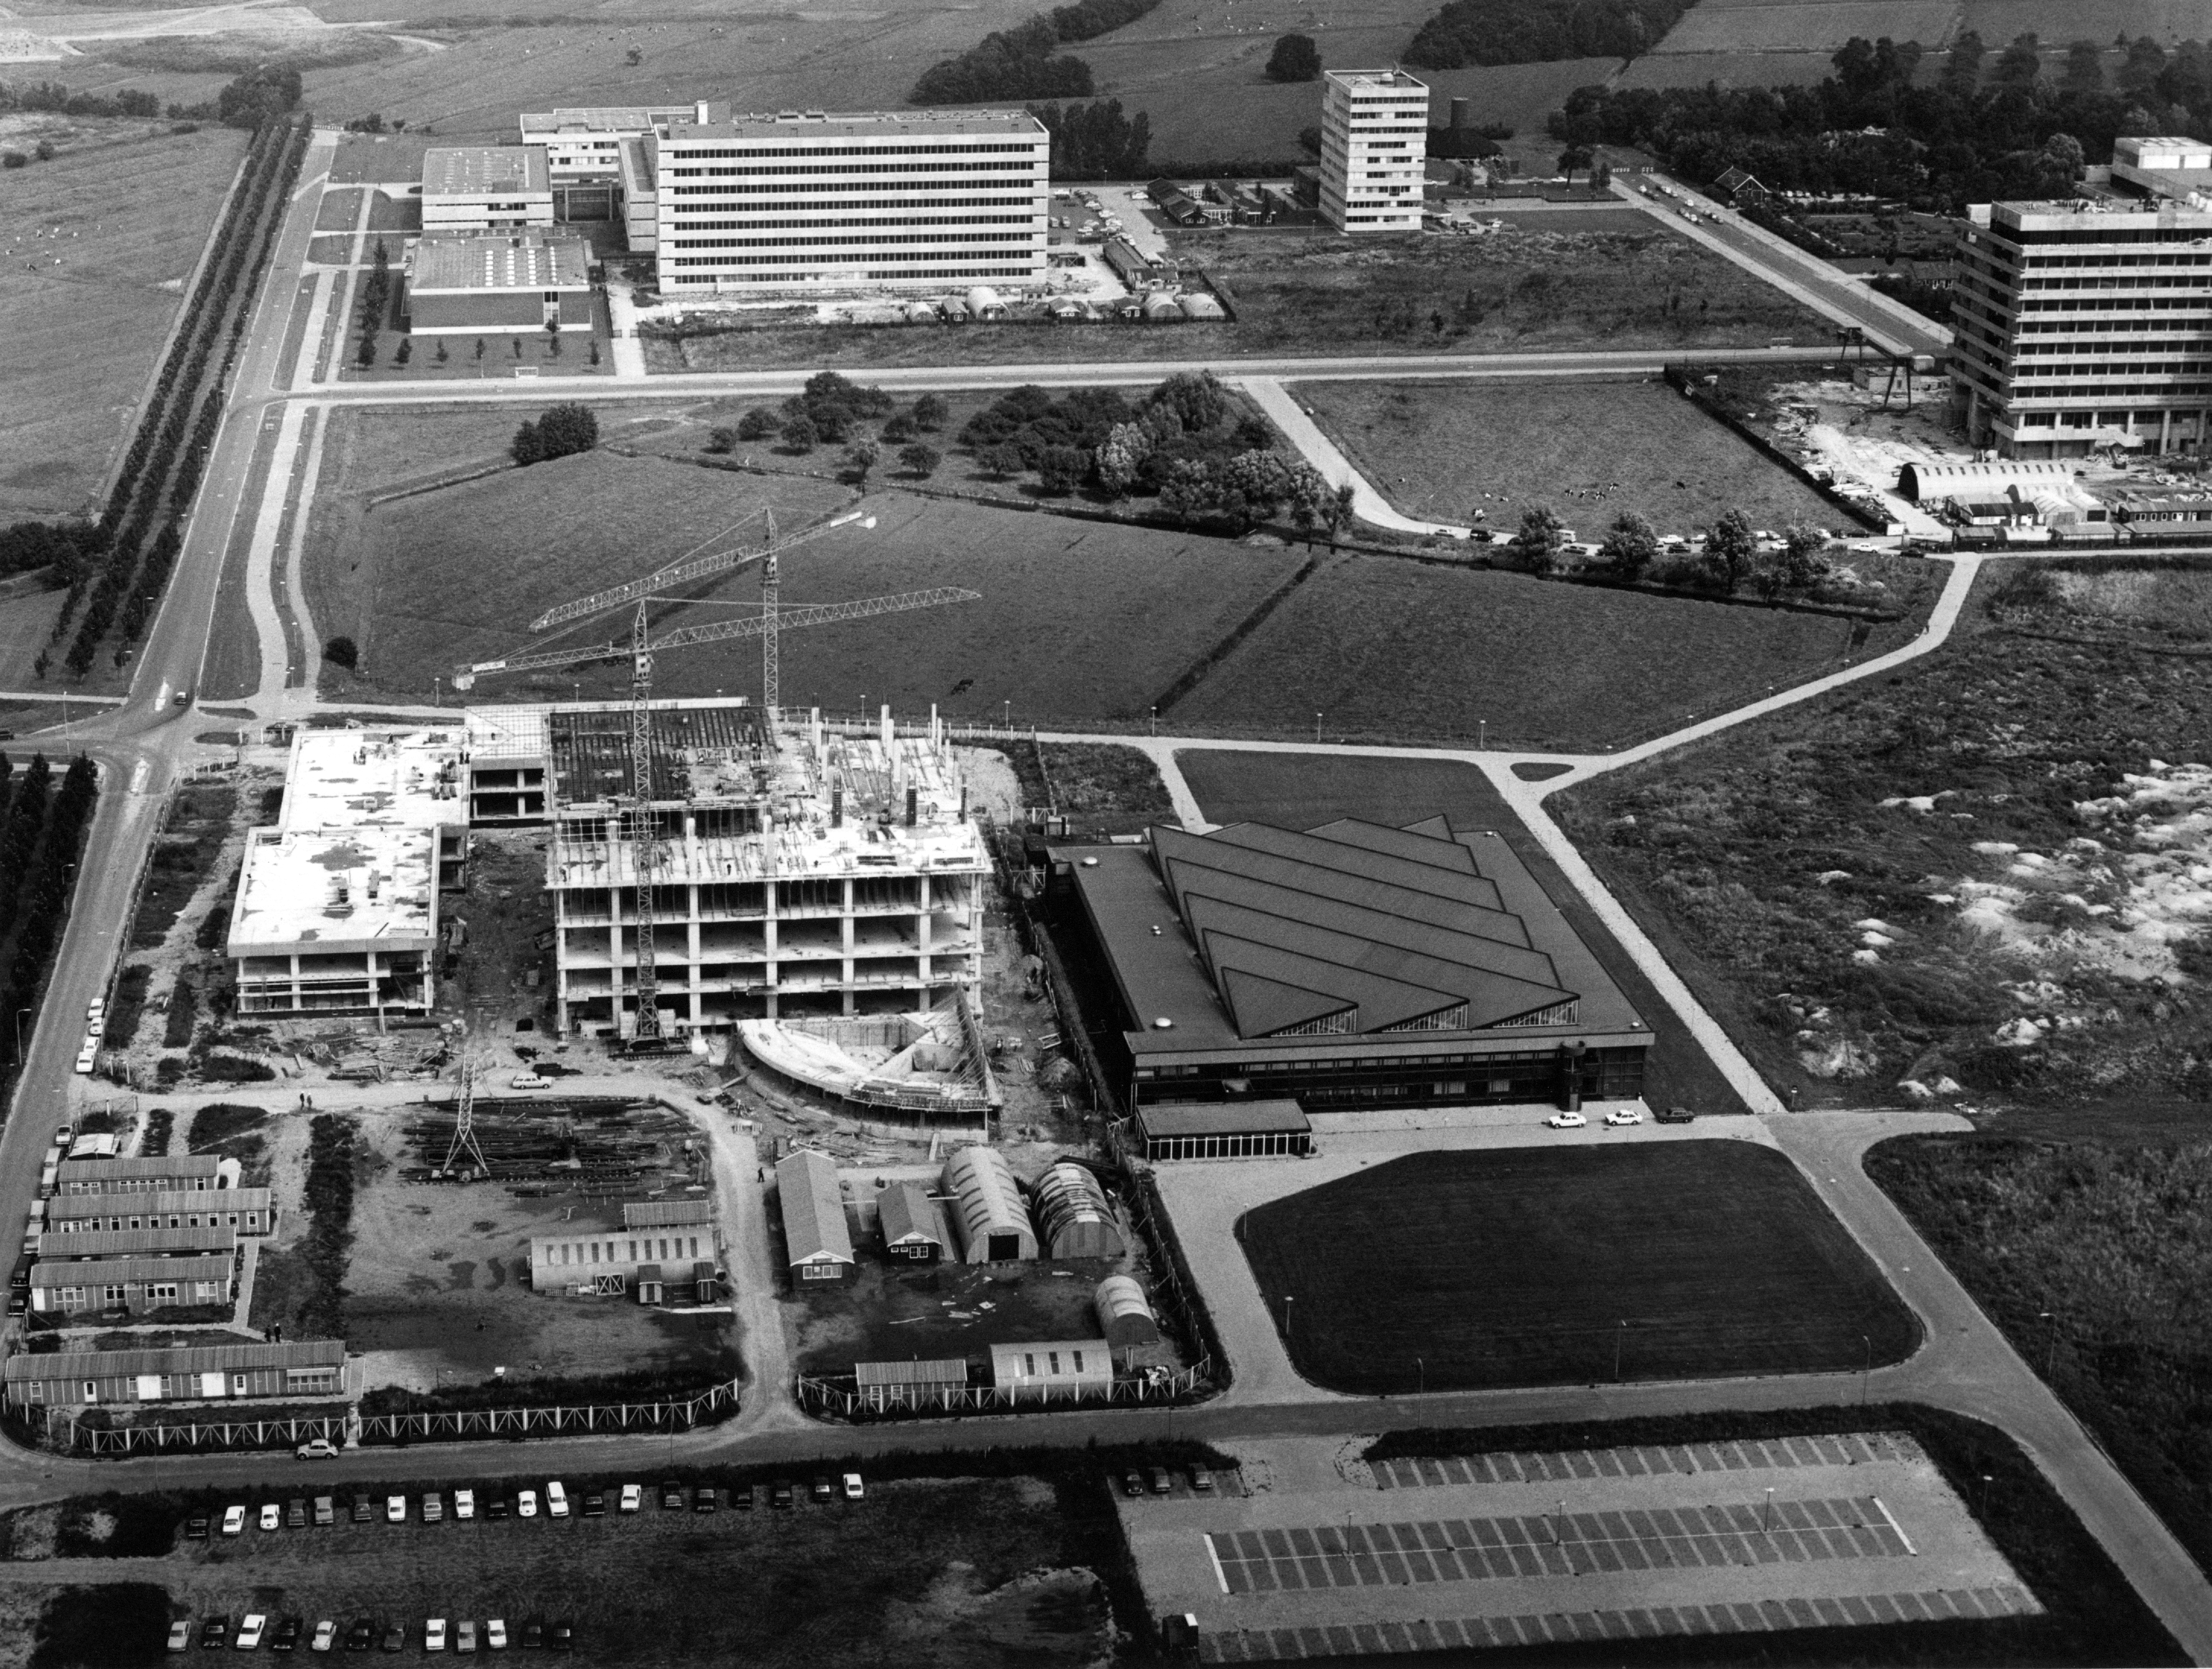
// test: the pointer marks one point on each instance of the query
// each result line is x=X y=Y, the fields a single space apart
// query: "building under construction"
x=826 y=874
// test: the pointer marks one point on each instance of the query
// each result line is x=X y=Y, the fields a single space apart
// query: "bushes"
x=1096 y=141
x=1021 y=63
x=1468 y=32
x=1296 y=59
x=564 y=430
x=236 y=1069
x=343 y=652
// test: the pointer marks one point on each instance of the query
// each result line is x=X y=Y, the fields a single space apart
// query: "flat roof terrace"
x=469 y=171
x=792 y=127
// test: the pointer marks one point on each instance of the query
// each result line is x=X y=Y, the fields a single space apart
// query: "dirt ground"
x=502 y=977
x=438 y=1289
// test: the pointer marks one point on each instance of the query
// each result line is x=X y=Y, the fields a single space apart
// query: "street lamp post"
x=1866 y=1374
x=1316 y=727
x=1421 y=1368
x=19 y=1013
x=1620 y=1333
x=2050 y=1342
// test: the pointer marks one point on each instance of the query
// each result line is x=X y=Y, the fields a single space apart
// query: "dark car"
x=779 y=1494
x=741 y=1498
x=364 y=1510
x=395 y=1639
x=196 y=1527
x=20 y=1280
x=1132 y=1484
x=595 y=1505
x=296 y=1515
x=1201 y=1479
x=1480 y=535
x=215 y=1634
x=671 y=1496
x=288 y=1635
x=703 y=1500
x=533 y=1635
x=1675 y=1115
x=17 y=1303
x=563 y=1638
x=825 y=1487
x=1162 y=1482
x=496 y=1508
x=361 y=1635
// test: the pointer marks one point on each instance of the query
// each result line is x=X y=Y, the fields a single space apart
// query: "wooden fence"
x=841 y=1398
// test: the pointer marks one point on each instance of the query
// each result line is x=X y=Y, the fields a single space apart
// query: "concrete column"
x=922 y=934
x=845 y=941
x=615 y=956
x=2164 y=433
x=767 y=936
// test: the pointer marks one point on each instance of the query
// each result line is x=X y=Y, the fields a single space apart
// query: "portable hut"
x=1125 y=1315
x=914 y=1224
x=989 y=1215
x=1075 y=1217
x=816 y=1241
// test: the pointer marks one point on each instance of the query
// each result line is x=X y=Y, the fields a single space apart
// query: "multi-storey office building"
x=485 y=188
x=816 y=204
x=1374 y=142
x=2087 y=323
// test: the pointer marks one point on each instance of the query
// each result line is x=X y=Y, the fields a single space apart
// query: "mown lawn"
x=1606 y=1259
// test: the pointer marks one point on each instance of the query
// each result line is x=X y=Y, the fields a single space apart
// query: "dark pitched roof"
x=1221 y=1117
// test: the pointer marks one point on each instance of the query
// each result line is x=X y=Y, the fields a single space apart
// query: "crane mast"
x=648 y=1026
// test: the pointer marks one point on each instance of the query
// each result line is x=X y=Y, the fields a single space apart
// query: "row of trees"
x=375 y=299
x=53 y=98
x=1540 y=31
x=1025 y=61
x=40 y=837
x=249 y=100
x=1096 y=141
x=162 y=469
x=1980 y=128
x=1729 y=562
x=831 y=410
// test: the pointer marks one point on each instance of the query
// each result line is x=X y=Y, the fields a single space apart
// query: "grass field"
x=95 y=247
x=1526 y=1266
x=1977 y=872
x=1538 y=284
x=1590 y=450
x=1079 y=621
x=1385 y=649
x=1299 y=791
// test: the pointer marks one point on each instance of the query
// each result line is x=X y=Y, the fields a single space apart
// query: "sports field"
x=1583 y=1263
x=95 y=246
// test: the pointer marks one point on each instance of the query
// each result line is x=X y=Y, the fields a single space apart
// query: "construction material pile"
x=595 y=1146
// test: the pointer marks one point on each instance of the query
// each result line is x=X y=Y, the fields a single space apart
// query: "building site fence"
x=67 y=1431
x=841 y=1398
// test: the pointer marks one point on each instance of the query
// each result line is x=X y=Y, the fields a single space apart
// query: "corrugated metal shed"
x=1076 y=1217
x=139 y=1243
x=948 y=1370
x=813 y=1207
x=1056 y=1367
x=1125 y=1313
x=989 y=1215
x=666 y=1213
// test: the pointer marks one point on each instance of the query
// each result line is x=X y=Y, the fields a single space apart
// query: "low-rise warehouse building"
x=130 y=1283
x=455 y=284
x=485 y=188
x=205 y=1241
x=609 y=1263
x=179 y=1175
x=988 y=1213
x=914 y=1226
x=1221 y=1130
x=1074 y=1217
x=914 y=1384
x=1349 y=966
x=817 y=1242
x=1125 y=1315
x=193 y=1374
x=1056 y=1370
x=242 y=1211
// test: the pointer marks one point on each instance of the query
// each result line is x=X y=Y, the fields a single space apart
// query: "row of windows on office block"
x=822 y=240
x=963 y=148
x=822 y=261
x=875 y=168
x=698 y=222
x=784 y=277
x=729 y=201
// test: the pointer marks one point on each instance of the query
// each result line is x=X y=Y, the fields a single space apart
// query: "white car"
x=557 y=1500
x=631 y=1498
x=249 y=1632
x=326 y=1635
x=272 y=1516
x=464 y=1505
x=395 y=1509
x=317 y=1448
x=1623 y=1115
x=496 y=1635
x=852 y=1488
x=87 y=1054
x=526 y=1503
x=234 y=1521
x=434 y=1635
x=1567 y=1121
x=529 y=1081
x=96 y=1012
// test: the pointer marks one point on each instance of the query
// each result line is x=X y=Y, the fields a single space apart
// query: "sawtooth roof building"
x=1349 y=966
x=455 y=282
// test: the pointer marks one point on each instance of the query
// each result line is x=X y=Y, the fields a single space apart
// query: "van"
x=557 y=1500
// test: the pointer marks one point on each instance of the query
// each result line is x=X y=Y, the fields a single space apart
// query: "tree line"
x=1540 y=31
x=41 y=834
x=246 y=101
x=1024 y=62
x=1980 y=129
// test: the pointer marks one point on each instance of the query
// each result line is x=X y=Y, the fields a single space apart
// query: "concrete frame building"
x=463 y=283
x=2087 y=323
x=821 y=205
x=824 y=875
x=485 y=188
x=1374 y=147
x=337 y=906
x=600 y=160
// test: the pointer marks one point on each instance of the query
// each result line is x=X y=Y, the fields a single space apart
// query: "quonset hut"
x=990 y=1216
x=1075 y=1217
x=1125 y=1315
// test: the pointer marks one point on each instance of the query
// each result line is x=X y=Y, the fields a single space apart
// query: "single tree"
x=527 y=447
x=405 y=352
x=343 y=652
x=44 y=150
x=921 y=458
x=1535 y=547
x=1730 y=549
x=860 y=458
x=480 y=347
x=633 y=57
x=515 y=342
x=1630 y=546
x=801 y=434
x=930 y=411
x=722 y=440
x=441 y=355
x=1296 y=59
x=1061 y=470
x=757 y=424
x=1803 y=560
x=595 y=350
x=901 y=429
x=366 y=354
x=1573 y=158
x=569 y=427
x=1338 y=512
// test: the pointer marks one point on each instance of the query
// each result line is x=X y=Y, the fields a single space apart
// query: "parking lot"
x=1520 y=1550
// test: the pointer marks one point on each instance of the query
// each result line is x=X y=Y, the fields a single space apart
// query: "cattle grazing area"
x=96 y=249
x=1517 y=1267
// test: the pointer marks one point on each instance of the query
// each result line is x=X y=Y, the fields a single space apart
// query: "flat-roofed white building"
x=337 y=906
x=821 y=203
x=584 y=143
x=485 y=188
x=1374 y=145
x=459 y=282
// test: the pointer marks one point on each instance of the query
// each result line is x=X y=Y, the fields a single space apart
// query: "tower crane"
x=642 y=647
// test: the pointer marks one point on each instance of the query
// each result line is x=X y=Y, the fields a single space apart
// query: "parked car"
x=433 y=1508
x=249 y=1631
x=317 y=1448
x=196 y=1527
x=288 y=1635
x=779 y=1494
x=533 y=1635
x=595 y=1505
x=1133 y=1483
x=853 y=1487
x=296 y=1515
x=560 y=1638
x=434 y=1635
x=213 y=1633
x=529 y=1081
x=672 y=1496
x=631 y=1498
x=234 y=1521
x=703 y=1499
x=395 y=1638
x=1201 y=1479
x=526 y=1503
x=361 y=1635
x=496 y=1635
x=180 y=1634
x=823 y=1489
x=1675 y=1115
x=741 y=1498
x=325 y=1635
x=464 y=1505
x=326 y=1510
x=1567 y=1121
x=496 y=1508
x=395 y=1509
x=465 y=1636
x=1623 y=1115
x=557 y=1500
x=364 y=1510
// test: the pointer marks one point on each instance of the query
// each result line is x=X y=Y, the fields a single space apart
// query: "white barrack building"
x=1374 y=147
x=821 y=205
